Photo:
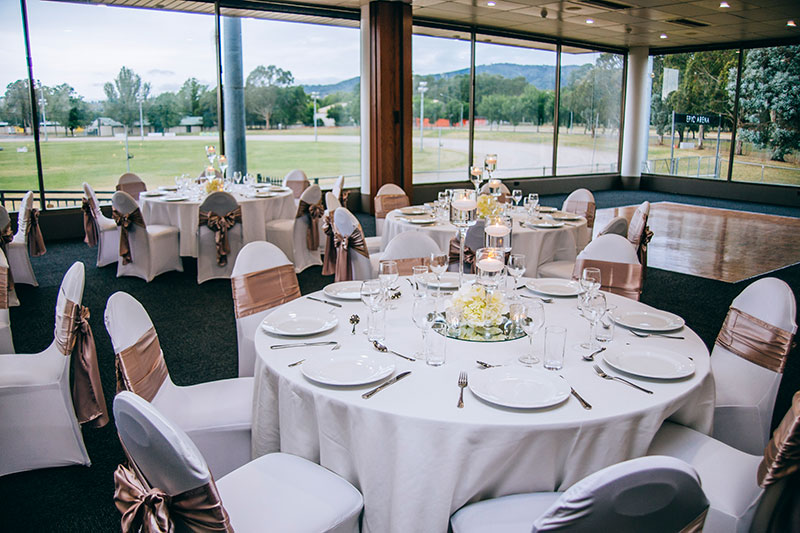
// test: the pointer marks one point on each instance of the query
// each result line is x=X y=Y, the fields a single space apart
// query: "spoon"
x=487 y=365
x=590 y=357
x=354 y=319
x=382 y=348
x=645 y=335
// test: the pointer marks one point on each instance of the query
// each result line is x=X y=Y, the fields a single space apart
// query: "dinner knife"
x=324 y=301
x=297 y=344
x=382 y=386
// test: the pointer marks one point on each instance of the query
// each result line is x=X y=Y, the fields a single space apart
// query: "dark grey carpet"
x=197 y=332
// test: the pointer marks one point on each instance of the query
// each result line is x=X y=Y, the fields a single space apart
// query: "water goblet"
x=476 y=176
x=532 y=204
x=223 y=165
x=594 y=306
x=516 y=195
x=418 y=273
x=423 y=313
x=372 y=295
x=531 y=319
x=438 y=265
x=388 y=274
x=591 y=280
x=516 y=268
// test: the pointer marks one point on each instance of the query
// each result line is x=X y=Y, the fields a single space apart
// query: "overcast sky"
x=86 y=45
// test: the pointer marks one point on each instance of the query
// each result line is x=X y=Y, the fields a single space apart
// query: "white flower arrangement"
x=480 y=315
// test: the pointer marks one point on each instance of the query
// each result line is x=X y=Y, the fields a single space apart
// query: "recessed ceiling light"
x=589 y=21
x=724 y=4
x=791 y=23
x=491 y=4
x=663 y=35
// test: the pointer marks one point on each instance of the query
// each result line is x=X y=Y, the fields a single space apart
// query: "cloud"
x=160 y=72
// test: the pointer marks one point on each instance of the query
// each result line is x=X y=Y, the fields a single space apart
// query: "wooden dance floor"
x=715 y=243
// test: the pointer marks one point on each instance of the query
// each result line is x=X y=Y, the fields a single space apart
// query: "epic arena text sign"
x=697 y=120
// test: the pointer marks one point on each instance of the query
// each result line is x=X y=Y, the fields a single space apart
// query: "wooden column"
x=390 y=95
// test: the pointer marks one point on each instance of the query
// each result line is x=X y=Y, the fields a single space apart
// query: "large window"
x=515 y=84
x=440 y=143
x=589 y=112
x=289 y=69
x=17 y=156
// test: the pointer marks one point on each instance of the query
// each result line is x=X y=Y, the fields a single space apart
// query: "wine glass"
x=490 y=162
x=532 y=204
x=516 y=268
x=372 y=295
x=223 y=165
x=388 y=274
x=476 y=176
x=463 y=214
x=438 y=265
x=532 y=320
x=594 y=306
x=211 y=154
x=423 y=313
x=516 y=195
x=591 y=280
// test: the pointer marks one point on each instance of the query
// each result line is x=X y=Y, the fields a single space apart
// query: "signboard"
x=697 y=120
x=670 y=83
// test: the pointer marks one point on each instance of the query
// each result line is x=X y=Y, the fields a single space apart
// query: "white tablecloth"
x=417 y=458
x=539 y=245
x=185 y=215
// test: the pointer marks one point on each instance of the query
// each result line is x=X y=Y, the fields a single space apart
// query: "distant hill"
x=540 y=76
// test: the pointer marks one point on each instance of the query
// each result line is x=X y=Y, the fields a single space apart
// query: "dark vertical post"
x=220 y=99
x=235 y=128
x=735 y=113
x=556 y=105
x=471 y=99
x=34 y=109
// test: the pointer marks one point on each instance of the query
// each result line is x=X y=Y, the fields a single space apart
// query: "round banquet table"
x=540 y=245
x=417 y=458
x=185 y=215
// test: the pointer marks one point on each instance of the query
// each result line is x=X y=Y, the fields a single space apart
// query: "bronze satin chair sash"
x=4 y=290
x=583 y=208
x=89 y=224
x=298 y=187
x=405 y=267
x=625 y=279
x=755 y=340
x=314 y=212
x=124 y=222
x=696 y=525
x=74 y=336
x=782 y=454
x=389 y=202
x=148 y=509
x=329 y=259
x=34 y=235
x=141 y=368
x=258 y=291
x=355 y=241
x=6 y=236
x=220 y=224
x=454 y=254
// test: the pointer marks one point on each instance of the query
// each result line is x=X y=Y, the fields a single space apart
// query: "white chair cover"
x=131 y=184
x=745 y=391
x=290 y=234
x=220 y=203
x=332 y=201
x=406 y=245
x=612 y=248
x=6 y=341
x=338 y=189
x=217 y=415
x=346 y=223
x=276 y=492
x=154 y=249
x=728 y=475
x=254 y=257
x=296 y=180
x=617 y=225
x=19 y=259
x=389 y=188
x=582 y=198
x=38 y=426
x=107 y=231
x=658 y=494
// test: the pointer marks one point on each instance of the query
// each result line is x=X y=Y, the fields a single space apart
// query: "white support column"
x=366 y=83
x=637 y=115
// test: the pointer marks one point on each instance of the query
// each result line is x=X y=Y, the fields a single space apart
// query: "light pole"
x=423 y=88
x=140 y=99
x=315 y=95
x=43 y=103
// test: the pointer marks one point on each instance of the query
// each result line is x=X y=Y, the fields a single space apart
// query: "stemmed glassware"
x=388 y=274
x=515 y=268
x=498 y=231
x=223 y=166
x=490 y=163
x=423 y=313
x=590 y=282
x=463 y=214
x=594 y=306
x=438 y=265
x=372 y=295
x=476 y=176
x=516 y=195
x=211 y=154
x=532 y=204
x=532 y=320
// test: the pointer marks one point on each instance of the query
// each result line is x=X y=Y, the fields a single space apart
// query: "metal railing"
x=56 y=198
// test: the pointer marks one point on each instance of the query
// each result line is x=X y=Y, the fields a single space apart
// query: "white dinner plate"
x=420 y=220
x=297 y=324
x=412 y=210
x=262 y=194
x=348 y=369
x=546 y=225
x=555 y=286
x=175 y=198
x=344 y=290
x=561 y=215
x=152 y=193
x=547 y=209
x=650 y=363
x=170 y=188
x=449 y=281
x=519 y=387
x=655 y=320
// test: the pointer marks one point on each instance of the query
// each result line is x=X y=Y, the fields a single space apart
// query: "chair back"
x=617 y=226
x=654 y=493
x=126 y=320
x=388 y=198
x=409 y=249
x=219 y=202
x=390 y=188
x=124 y=202
x=338 y=188
x=346 y=224
x=5 y=218
x=164 y=454
x=88 y=192
x=71 y=289
x=262 y=278
x=504 y=192
x=581 y=202
x=332 y=202
x=24 y=215
x=217 y=243
x=620 y=270
x=297 y=181
x=131 y=184
x=637 y=230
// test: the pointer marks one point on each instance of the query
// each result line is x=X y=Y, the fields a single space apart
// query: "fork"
x=645 y=335
x=603 y=375
x=462 y=383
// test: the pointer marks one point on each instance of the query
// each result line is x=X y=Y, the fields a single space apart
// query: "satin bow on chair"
x=314 y=212
x=149 y=510
x=220 y=224
x=89 y=226
x=87 y=390
x=329 y=261
x=34 y=235
x=342 y=244
x=454 y=254
x=124 y=222
x=6 y=236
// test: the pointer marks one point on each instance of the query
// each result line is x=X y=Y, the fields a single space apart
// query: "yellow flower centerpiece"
x=476 y=314
x=214 y=185
x=488 y=206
